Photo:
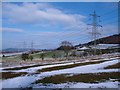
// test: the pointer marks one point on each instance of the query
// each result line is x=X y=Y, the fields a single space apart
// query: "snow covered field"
x=30 y=78
x=80 y=85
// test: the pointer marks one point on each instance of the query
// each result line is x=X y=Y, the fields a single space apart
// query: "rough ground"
x=9 y=62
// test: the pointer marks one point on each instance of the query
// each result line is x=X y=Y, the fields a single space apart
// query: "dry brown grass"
x=115 y=66
x=68 y=66
x=87 y=78
x=6 y=75
x=25 y=67
x=19 y=68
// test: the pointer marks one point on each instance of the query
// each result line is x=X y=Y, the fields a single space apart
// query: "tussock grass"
x=68 y=66
x=7 y=75
x=115 y=66
x=86 y=78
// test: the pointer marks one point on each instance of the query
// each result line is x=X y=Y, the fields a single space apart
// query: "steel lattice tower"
x=95 y=34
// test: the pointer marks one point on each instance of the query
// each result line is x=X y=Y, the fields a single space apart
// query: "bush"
x=3 y=56
x=42 y=56
x=54 y=56
x=25 y=56
x=31 y=57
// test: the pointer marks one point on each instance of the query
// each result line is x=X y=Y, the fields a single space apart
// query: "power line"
x=109 y=12
x=109 y=18
x=116 y=21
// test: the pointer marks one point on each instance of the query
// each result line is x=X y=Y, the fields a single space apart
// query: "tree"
x=66 y=47
x=25 y=56
x=3 y=56
x=54 y=56
x=42 y=55
x=31 y=57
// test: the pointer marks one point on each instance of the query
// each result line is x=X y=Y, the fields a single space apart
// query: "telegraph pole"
x=95 y=26
x=24 y=45
x=32 y=46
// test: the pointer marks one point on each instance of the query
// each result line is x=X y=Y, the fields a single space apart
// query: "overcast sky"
x=48 y=24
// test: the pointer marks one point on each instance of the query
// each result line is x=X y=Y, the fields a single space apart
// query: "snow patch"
x=79 y=85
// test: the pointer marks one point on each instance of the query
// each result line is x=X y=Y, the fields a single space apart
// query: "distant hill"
x=14 y=50
x=114 y=39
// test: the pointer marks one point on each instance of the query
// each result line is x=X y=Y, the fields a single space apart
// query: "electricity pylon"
x=95 y=26
x=32 y=46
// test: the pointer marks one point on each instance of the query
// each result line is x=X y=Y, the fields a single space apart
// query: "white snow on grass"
x=23 y=65
x=18 y=82
x=34 y=69
x=93 y=68
x=79 y=85
x=25 y=81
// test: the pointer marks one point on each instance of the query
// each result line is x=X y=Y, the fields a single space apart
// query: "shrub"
x=42 y=56
x=25 y=56
x=31 y=57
